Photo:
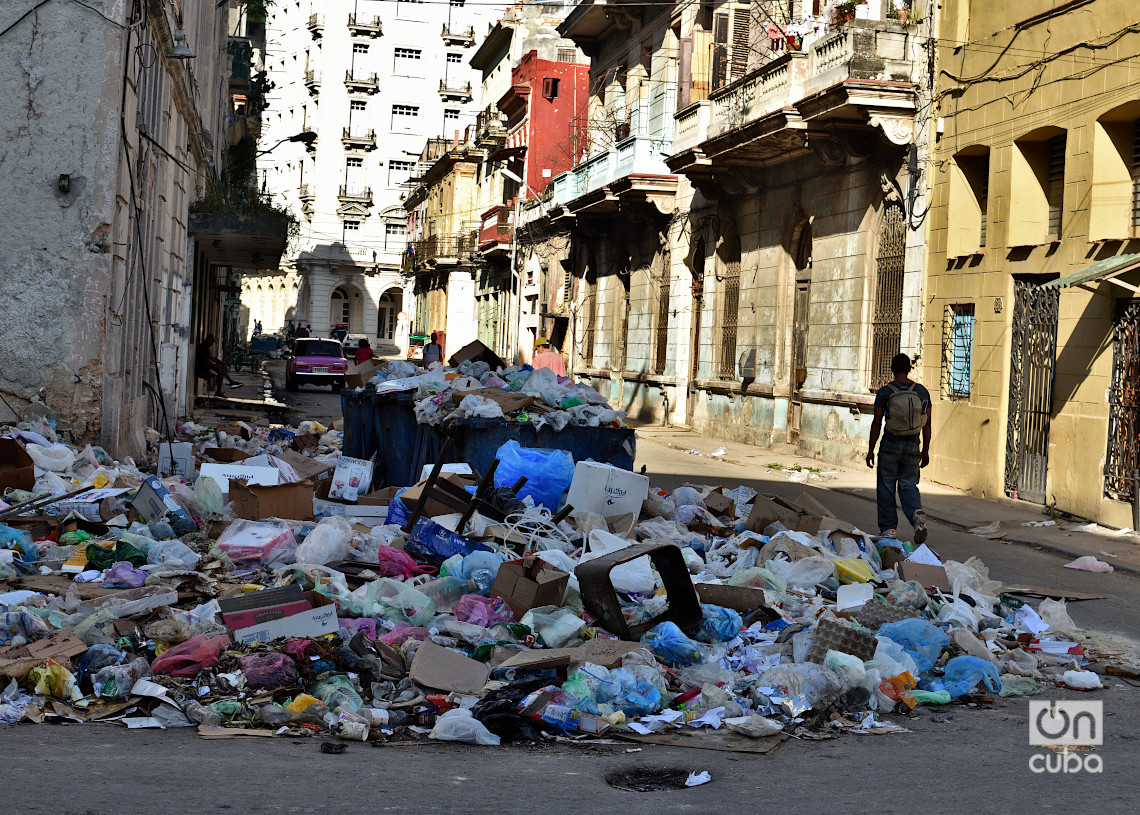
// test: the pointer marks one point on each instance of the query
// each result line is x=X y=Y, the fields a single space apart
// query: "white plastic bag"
x=1087 y=563
x=58 y=458
x=555 y=625
x=327 y=542
x=635 y=577
x=1081 y=680
x=478 y=406
x=460 y=725
x=804 y=574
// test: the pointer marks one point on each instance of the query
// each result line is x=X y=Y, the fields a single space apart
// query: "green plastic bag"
x=1018 y=686
x=100 y=557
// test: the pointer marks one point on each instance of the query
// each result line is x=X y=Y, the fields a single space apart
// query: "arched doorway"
x=390 y=305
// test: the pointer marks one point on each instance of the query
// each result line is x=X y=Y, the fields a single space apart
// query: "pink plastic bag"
x=484 y=611
x=396 y=563
x=402 y=632
x=268 y=670
x=191 y=657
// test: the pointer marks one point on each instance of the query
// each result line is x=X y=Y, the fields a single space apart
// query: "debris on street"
x=259 y=581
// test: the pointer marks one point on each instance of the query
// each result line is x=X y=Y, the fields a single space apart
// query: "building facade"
x=1032 y=332
x=103 y=287
x=372 y=79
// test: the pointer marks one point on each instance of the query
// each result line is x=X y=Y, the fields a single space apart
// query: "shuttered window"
x=957 y=350
x=1056 y=191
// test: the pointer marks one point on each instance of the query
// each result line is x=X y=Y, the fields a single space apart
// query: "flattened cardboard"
x=304 y=442
x=529 y=583
x=358 y=375
x=768 y=509
x=254 y=501
x=62 y=645
x=606 y=490
x=225 y=455
x=738 y=598
x=476 y=352
x=307 y=468
x=926 y=576
x=813 y=506
x=506 y=400
x=442 y=669
x=222 y=473
x=153 y=501
x=17 y=470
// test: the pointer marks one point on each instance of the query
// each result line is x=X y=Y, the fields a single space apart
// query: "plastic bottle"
x=446 y=591
x=388 y=718
x=200 y=714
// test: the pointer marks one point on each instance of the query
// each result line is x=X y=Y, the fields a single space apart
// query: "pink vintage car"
x=316 y=362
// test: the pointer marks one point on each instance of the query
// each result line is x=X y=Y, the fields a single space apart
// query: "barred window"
x=729 y=308
x=957 y=350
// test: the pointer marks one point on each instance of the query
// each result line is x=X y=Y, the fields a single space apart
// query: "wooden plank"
x=1054 y=593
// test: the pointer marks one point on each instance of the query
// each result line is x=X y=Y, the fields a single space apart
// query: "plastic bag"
x=460 y=725
x=806 y=573
x=116 y=681
x=54 y=681
x=548 y=472
x=634 y=577
x=268 y=670
x=57 y=458
x=759 y=578
x=1078 y=680
x=907 y=593
x=397 y=563
x=719 y=624
x=670 y=643
x=964 y=673
x=208 y=497
x=630 y=694
x=337 y=691
x=171 y=631
x=172 y=554
x=923 y=641
x=754 y=727
x=556 y=626
x=1088 y=563
x=191 y=657
x=687 y=496
x=1012 y=685
x=848 y=668
x=484 y=611
x=802 y=687
x=400 y=602
x=477 y=406
x=123 y=575
x=327 y=543
x=105 y=554
x=1056 y=614
x=893 y=659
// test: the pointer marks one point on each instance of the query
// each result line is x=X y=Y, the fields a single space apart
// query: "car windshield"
x=318 y=348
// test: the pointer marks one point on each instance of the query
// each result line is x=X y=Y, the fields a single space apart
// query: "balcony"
x=316 y=25
x=489 y=130
x=495 y=232
x=360 y=140
x=313 y=82
x=632 y=169
x=307 y=192
x=439 y=250
x=361 y=82
x=458 y=35
x=454 y=91
x=364 y=26
x=826 y=99
x=355 y=194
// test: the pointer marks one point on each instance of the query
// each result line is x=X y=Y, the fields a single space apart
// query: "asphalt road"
x=975 y=760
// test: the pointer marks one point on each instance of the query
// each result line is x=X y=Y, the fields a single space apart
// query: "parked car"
x=351 y=343
x=317 y=362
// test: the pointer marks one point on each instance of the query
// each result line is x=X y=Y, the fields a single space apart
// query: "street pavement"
x=951 y=760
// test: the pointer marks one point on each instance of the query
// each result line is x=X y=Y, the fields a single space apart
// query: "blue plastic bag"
x=667 y=641
x=434 y=543
x=720 y=624
x=548 y=472
x=398 y=514
x=923 y=641
x=965 y=672
x=633 y=697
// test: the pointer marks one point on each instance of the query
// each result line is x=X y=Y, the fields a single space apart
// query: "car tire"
x=290 y=383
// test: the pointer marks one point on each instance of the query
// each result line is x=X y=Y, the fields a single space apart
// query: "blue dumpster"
x=479 y=439
x=359 y=423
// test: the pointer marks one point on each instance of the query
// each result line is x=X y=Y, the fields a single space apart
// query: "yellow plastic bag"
x=853 y=570
x=57 y=682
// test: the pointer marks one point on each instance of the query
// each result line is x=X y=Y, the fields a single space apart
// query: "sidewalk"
x=944 y=504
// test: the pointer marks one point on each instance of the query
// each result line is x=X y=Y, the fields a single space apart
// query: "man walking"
x=906 y=407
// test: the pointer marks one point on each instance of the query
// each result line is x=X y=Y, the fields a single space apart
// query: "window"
x=351 y=226
x=360 y=48
x=957 y=350
x=458 y=2
x=404 y=117
x=405 y=58
x=886 y=330
x=454 y=59
x=969 y=201
x=1037 y=188
x=1114 y=207
x=394 y=236
x=729 y=306
x=398 y=172
x=357 y=105
x=662 y=286
x=550 y=88
x=354 y=163
x=567 y=55
x=450 y=116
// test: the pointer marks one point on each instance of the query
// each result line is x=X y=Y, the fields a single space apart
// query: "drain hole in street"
x=647 y=779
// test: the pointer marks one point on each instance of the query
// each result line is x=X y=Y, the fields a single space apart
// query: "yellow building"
x=1032 y=332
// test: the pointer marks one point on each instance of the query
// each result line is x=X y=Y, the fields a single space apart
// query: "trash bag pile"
x=525 y=628
x=474 y=389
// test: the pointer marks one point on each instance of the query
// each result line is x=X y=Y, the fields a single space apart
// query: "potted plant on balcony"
x=902 y=11
x=845 y=11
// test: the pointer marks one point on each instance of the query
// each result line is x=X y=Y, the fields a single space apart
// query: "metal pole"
x=516 y=282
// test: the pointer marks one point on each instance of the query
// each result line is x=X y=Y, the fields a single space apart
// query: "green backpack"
x=904 y=410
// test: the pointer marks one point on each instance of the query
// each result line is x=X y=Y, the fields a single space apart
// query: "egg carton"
x=874 y=614
x=835 y=635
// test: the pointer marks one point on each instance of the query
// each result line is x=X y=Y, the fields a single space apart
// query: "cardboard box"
x=222 y=473
x=305 y=442
x=738 y=598
x=372 y=507
x=244 y=610
x=358 y=375
x=93 y=505
x=476 y=352
x=17 y=470
x=926 y=576
x=768 y=509
x=256 y=501
x=354 y=473
x=153 y=501
x=442 y=669
x=225 y=455
x=719 y=504
x=239 y=429
x=305 y=467
x=529 y=583
x=316 y=621
x=433 y=507
x=606 y=490
x=183 y=459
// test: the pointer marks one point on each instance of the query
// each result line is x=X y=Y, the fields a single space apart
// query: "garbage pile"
x=477 y=388
x=288 y=595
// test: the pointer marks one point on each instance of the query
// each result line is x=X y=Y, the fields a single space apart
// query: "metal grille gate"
x=1032 y=360
x=1123 y=460
x=886 y=331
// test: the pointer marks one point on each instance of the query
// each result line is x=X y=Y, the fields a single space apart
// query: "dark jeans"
x=899 y=460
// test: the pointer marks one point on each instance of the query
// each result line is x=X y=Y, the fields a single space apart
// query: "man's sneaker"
x=919 y=527
x=889 y=533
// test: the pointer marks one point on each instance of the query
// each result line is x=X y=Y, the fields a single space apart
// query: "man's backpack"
x=904 y=410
